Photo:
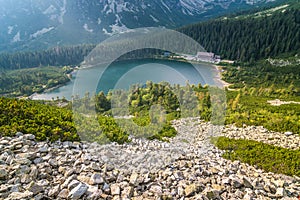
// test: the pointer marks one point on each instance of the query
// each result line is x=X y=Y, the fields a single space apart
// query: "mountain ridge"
x=65 y=22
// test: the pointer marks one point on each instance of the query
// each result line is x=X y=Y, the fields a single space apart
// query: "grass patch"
x=270 y=158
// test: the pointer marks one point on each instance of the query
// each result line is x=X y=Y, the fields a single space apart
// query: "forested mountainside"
x=58 y=56
x=73 y=22
x=247 y=37
x=251 y=37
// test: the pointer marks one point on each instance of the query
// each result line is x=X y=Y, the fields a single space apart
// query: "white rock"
x=54 y=191
x=280 y=192
x=133 y=178
x=20 y=195
x=78 y=191
x=115 y=189
x=288 y=133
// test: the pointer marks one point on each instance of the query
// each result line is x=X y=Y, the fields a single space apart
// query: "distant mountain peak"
x=37 y=24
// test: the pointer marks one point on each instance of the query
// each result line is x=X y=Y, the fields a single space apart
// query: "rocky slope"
x=39 y=24
x=41 y=170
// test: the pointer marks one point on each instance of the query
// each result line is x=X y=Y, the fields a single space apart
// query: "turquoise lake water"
x=123 y=74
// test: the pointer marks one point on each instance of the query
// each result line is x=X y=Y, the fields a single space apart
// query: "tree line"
x=25 y=82
x=57 y=56
x=249 y=38
x=281 y=81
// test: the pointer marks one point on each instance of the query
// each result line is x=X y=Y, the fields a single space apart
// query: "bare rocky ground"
x=186 y=168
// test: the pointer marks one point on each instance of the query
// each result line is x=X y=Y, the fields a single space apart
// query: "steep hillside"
x=251 y=37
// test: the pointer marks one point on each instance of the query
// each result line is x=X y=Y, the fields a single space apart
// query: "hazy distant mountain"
x=38 y=24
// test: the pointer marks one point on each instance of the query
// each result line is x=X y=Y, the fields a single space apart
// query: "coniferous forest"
x=25 y=82
x=58 y=56
x=250 y=38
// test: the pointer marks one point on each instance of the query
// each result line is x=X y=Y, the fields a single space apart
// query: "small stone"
x=239 y=194
x=108 y=168
x=73 y=184
x=279 y=183
x=54 y=191
x=104 y=196
x=19 y=134
x=214 y=170
x=67 y=181
x=38 y=161
x=23 y=161
x=63 y=194
x=236 y=183
x=9 y=160
x=120 y=178
x=78 y=191
x=95 y=167
x=115 y=189
x=35 y=188
x=106 y=188
x=29 y=137
x=34 y=172
x=178 y=175
x=20 y=195
x=288 y=133
x=180 y=191
x=96 y=179
x=226 y=181
x=133 y=178
x=247 y=197
x=43 y=182
x=69 y=172
x=61 y=169
x=93 y=192
x=4 y=188
x=67 y=144
x=83 y=179
x=280 y=192
x=213 y=195
x=47 y=157
x=3 y=174
x=116 y=198
x=247 y=183
x=17 y=145
x=43 y=149
x=156 y=189
x=218 y=188
x=53 y=162
x=25 y=178
x=190 y=190
x=23 y=169
x=127 y=192
x=16 y=188
x=272 y=188
x=39 y=197
x=77 y=163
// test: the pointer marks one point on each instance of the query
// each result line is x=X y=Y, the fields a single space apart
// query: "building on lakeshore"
x=208 y=57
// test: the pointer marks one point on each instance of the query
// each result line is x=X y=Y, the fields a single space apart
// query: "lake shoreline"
x=218 y=77
x=31 y=97
x=47 y=90
x=211 y=71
